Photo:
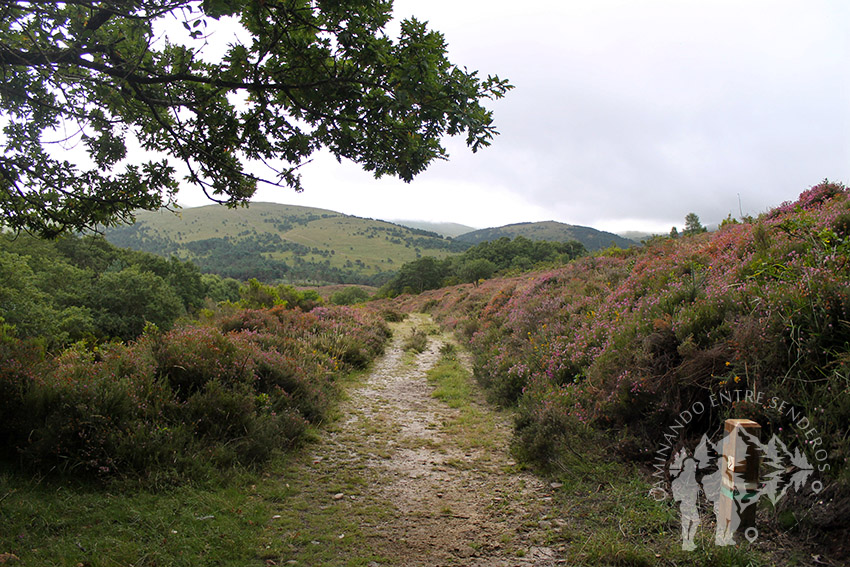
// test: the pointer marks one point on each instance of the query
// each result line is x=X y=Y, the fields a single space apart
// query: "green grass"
x=613 y=521
x=311 y=524
x=288 y=512
x=320 y=516
x=452 y=381
x=238 y=517
x=51 y=523
x=454 y=385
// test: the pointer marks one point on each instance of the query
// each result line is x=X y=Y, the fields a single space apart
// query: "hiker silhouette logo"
x=727 y=474
x=737 y=471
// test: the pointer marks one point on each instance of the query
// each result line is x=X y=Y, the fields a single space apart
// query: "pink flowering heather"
x=624 y=341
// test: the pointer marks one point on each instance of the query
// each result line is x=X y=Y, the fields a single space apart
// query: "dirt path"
x=453 y=492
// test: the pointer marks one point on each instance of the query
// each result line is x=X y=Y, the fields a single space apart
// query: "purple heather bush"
x=623 y=341
x=234 y=389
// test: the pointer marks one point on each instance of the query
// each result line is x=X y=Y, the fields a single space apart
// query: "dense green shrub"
x=479 y=262
x=349 y=296
x=129 y=299
x=234 y=390
x=257 y=295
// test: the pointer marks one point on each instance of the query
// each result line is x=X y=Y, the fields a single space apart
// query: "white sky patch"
x=649 y=226
x=430 y=197
x=626 y=115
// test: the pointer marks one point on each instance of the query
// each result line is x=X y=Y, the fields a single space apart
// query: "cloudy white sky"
x=627 y=114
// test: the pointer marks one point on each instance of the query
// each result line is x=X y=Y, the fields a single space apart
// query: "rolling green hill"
x=274 y=242
x=549 y=230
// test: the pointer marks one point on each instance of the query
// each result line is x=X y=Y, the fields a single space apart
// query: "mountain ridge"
x=296 y=244
x=592 y=238
x=450 y=229
x=277 y=242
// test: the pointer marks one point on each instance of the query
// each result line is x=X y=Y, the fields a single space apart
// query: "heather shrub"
x=622 y=343
x=78 y=415
x=467 y=328
x=357 y=335
x=249 y=320
x=190 y=357
x=341 y=348
x=552 y=429
x=220 y=412
x=181 y=403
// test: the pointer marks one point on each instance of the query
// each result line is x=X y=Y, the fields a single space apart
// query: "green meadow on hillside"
x=550 y=231
x=281 y=242
x=273 y=242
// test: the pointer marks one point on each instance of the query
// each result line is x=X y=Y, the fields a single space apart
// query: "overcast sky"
x=627 y=114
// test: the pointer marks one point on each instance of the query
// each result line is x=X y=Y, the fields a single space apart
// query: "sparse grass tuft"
x=455 y=386
x=416 y=341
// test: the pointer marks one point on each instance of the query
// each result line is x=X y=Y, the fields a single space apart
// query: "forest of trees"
x=83 y=288
x=479 y=262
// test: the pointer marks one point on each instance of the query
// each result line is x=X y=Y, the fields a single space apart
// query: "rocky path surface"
x=455 y=495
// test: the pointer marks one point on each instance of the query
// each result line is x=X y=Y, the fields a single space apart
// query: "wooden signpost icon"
x=740 y=480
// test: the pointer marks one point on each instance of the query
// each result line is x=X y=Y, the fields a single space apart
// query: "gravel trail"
x=457 y=497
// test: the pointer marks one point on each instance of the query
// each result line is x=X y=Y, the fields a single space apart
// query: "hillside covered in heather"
x=604 y=353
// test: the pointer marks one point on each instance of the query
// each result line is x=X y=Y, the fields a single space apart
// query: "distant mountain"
x=637 y=235
x=450 y=229
x=549 y=230
x=274 y=242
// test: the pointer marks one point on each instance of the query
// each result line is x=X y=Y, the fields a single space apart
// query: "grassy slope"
x=351 y=239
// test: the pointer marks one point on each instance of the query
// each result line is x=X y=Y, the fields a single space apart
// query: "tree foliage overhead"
x=296 y=77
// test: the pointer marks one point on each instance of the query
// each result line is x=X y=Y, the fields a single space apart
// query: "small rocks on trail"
x=452 y=504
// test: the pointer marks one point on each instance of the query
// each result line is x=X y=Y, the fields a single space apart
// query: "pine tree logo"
x=718 y=473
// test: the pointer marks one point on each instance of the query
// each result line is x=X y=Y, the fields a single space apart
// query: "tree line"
x=479 y=262
x=84 y=288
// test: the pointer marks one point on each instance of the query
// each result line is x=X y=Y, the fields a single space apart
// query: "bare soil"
x=456 y=498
